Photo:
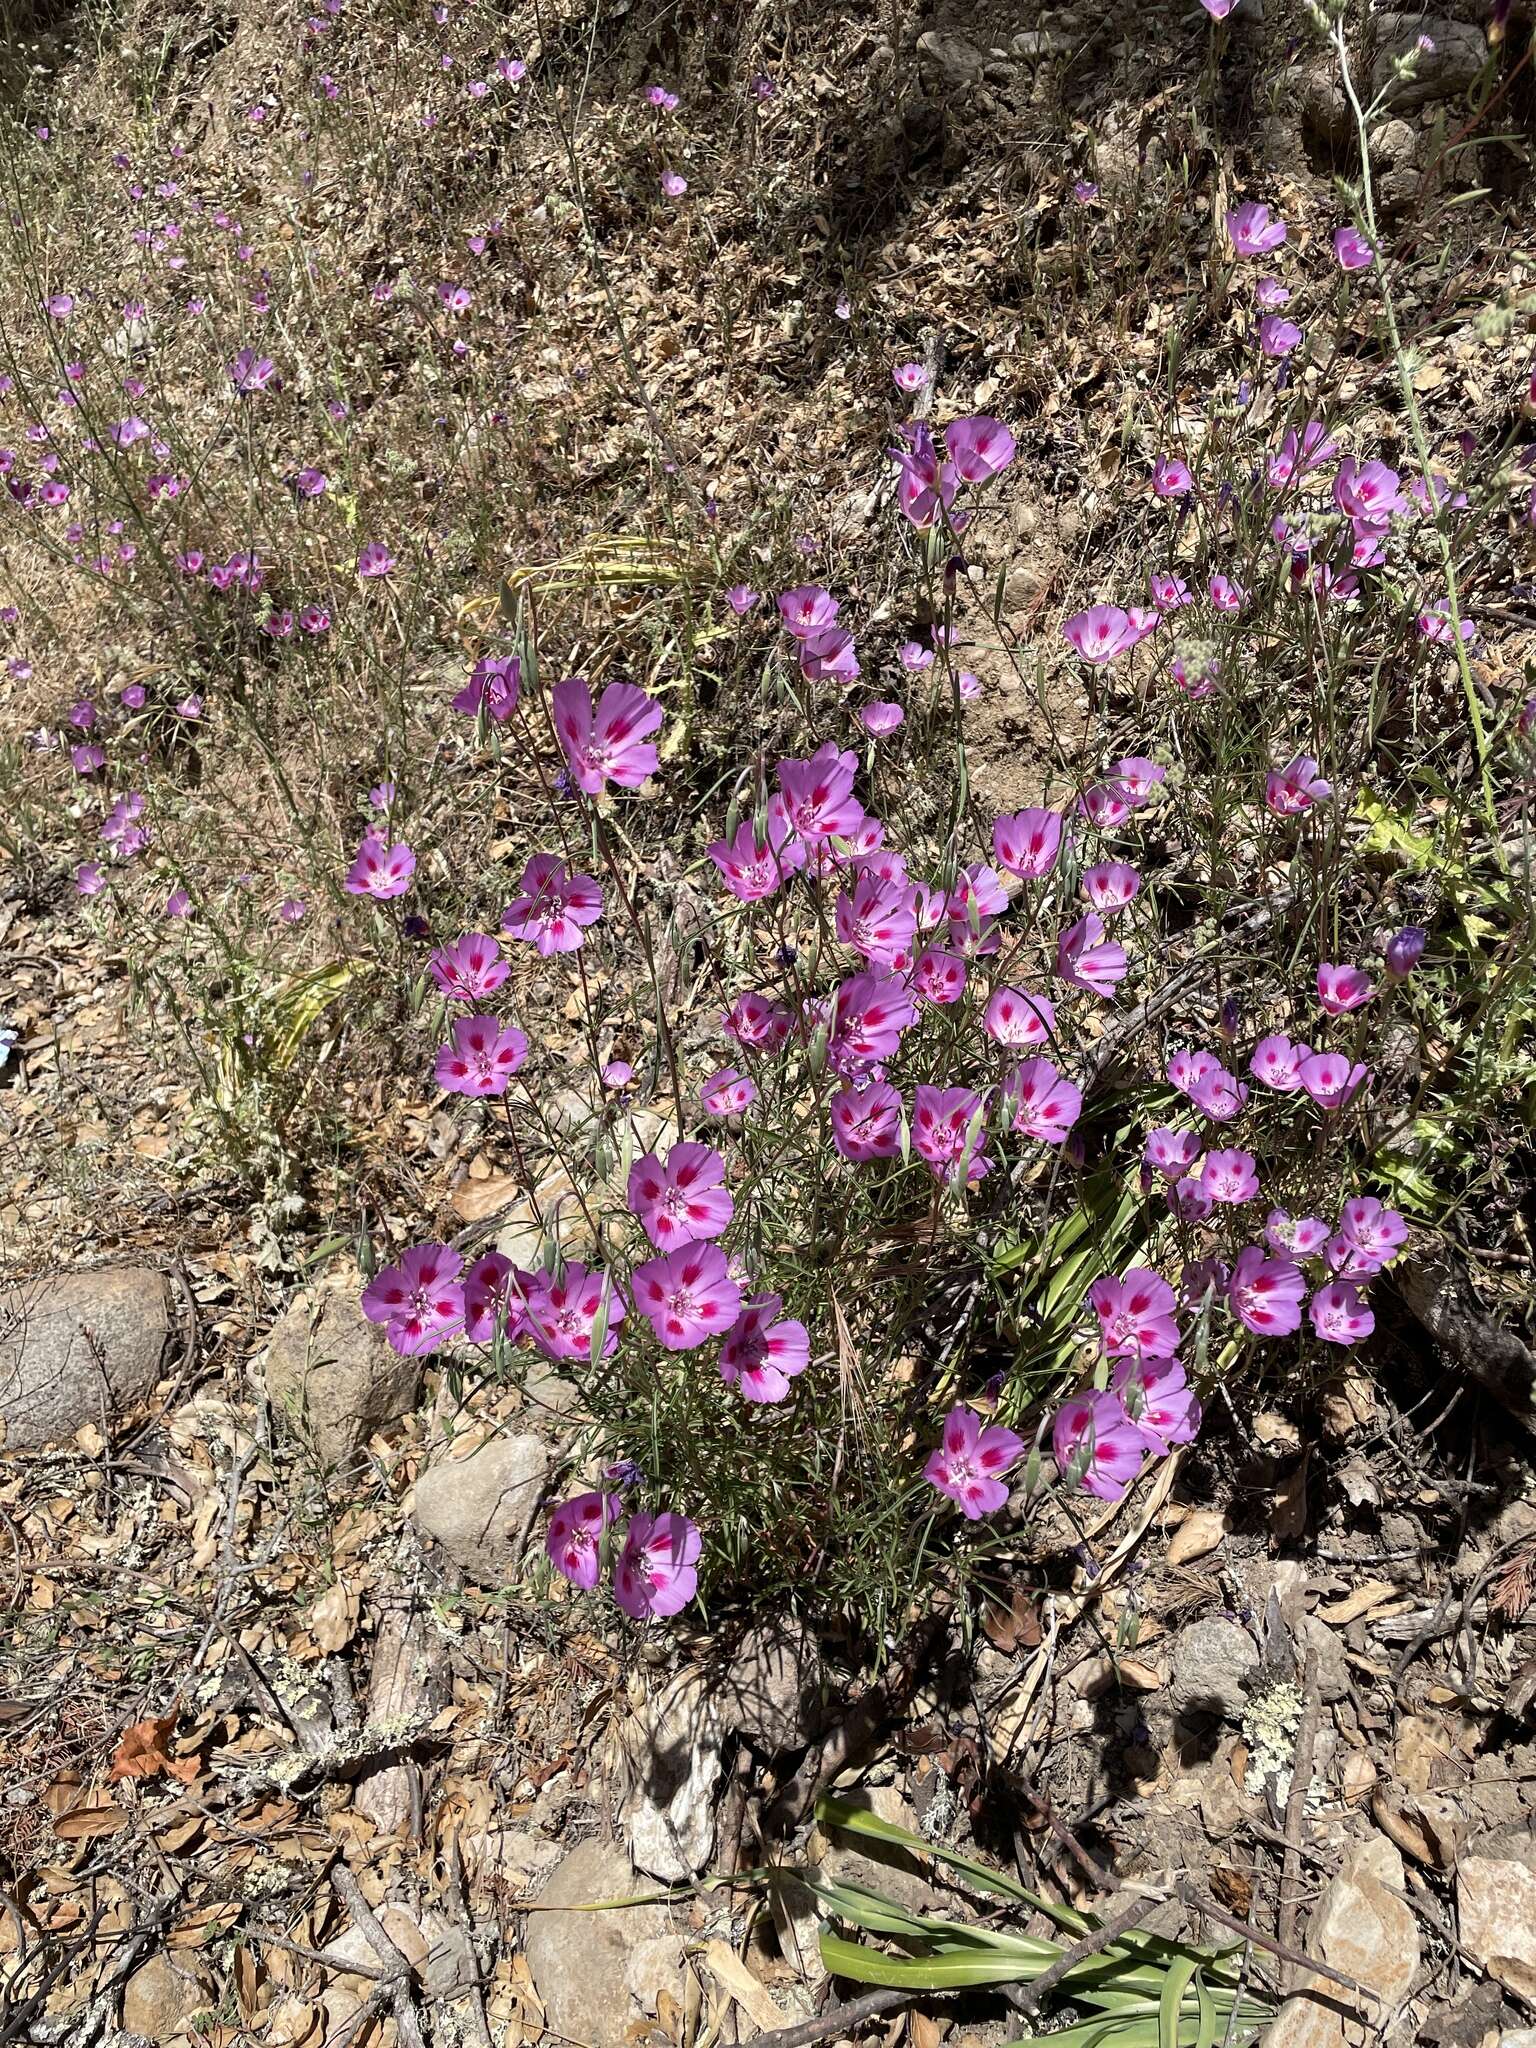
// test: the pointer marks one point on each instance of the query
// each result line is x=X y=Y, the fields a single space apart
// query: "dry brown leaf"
x=1363 y=1599
x=142 y=1752
x=1196 y=1536
x=473 y=1200
x=334 y=1617
x=87 y=1822
x=732 y=1973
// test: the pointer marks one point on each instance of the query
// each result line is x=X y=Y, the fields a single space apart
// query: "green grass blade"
x=1180 y=1975
x=945 y=1972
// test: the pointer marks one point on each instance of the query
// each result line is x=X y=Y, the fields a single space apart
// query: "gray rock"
x=476 y=1506
x=161 y=1996
x=1332 y=1671
x=578 y=1961
x=771 y=1692
x=1496 y=1908
x=1034 y=44
x=332 y=1373
x=949 y=62
x=79 y=1349
x=1211 y=1663
x=668 y=1764
x=1443 y=73
x=1363 y=1928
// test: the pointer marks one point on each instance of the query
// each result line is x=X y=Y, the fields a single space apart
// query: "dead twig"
x=838 y=2019
x=1029 y=1999
x=397 y=1978
x=1295 y=1810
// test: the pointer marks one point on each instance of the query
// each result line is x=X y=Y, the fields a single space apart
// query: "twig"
x=1029 y=1999
x=1295 y=1811
x=479 y=2026
x=397 y=1971
x=1199 y=1903
x=838 y=2020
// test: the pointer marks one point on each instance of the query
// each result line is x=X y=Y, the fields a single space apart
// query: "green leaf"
x=1176 y=1983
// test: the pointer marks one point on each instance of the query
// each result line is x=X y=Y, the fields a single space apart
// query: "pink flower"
x=1096 y=1445
x=1377 y=1233
x=552 y=907
x=1295 y=788
x=419 y=1301
x=761 y=1355
x=869 y=1015
x=656 y=1574
x=807 y=610
x=481 y=1056
x=374 y=561
x=1352 y=250
x=753 y=870
x=829 y=657
x=89 y=880
x=688 y=1296
x=1330 y=1080
x=909 y=377
x=1434 y=624
x=1294 y=1237
x=1299 y=458
x=1218 y=10
x=949 y=1132
x=1110 y=885
x=1230 y=1176
x=495 y=683
x=742 y=598
x=1277 y=1063
x=1100 y=633
x=470 y=969
x=876 y=920
x=1339 y=1315
x=380 y=870
x=608 y=745
x=1158 y=1402
x=575 y=1537
x=683 y=1200
x=1202 y=1077
x=496 y=1297
x=87 y=759
x=1028 y=843
x=1169 y=592
x=1188 y=1200
x=1266 y=1294
x=1252 y=232
x=1085 y=959
x=1045 y=1105
x=756 y=1020
x=1343 y=988
x=818 y=794
x=564 y=1310
x=1227 y=596
x=1367 y=490
x=1172 y=1153
x=250 y=373
x=969 y=1463
x=1019 y=1020
x=880 y=718
x=979 y=447
x=1136 y=777
x=1172 y=477
x=971 y=907
x=939 y=976
x=1277 y=337
x=727 y=1093
x=927 y=486
x=866 y=1122
x=1135 y=1315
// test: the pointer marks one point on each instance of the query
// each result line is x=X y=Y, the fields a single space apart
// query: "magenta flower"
x=1434 y=624
x=610 y=744
x=818 y=794
x=927 y=486
x=1202 y=1077
x=1172 y=1153
x=880 y=718
x=576 y=1532
x=1367 y=490
x=1100 y=633
x=1404 y=950
x=1330 y=1080
x=1271 y=294
x=470 y=969
x=970 y=1461
x=1277 y=337
x=869 y=1015
x=1277 y=1063
x=291 y=910
x=1230 y=1176
x=1172 y=477
x=1169 y=592
x=656 y=1571
x=829 y=657
x=311 y=483
x=742 y=599
x=909 y=377
x=1266 y=1294
x=564 y=1311
x=419 y=1301
x=552 y=907
x=1110 y=885
x=688 y=1296
x=727 y=1093
x=1227 y=596
x=939 y=976
x=495 y=683
x=876 y=920
x=1352 y=250
x=454 y=298
x=1096 y=1444
x=866 y=1122
x=1135 y=1315
x=761 y=1354
x=757 y=1021
x=949 y=1133
x=807 y=610
x=1299 y=458
x=1343 y=988
x=250 y=372
x=980 y=447
x=1085 y=959
x=1028 y=844
x=1252 y=232
x=380 y=870
x=1339 y=1315
x=1377 y=1233
x=85 y=760
x=1019 y=1020
x=1295 y=788
x=480 y=1058
x=1045 y=1105
x=684 y=1199
x=1218 y=10
x=1294 y=1237
x=496 y=1297
x=375 y=560
x=971 y=907
x=752 y=870
x=1158 y=1402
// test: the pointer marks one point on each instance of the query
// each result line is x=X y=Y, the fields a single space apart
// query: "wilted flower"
x=969 y=1463
x=742 y=598
x=250 y=372
x=1403 y=951
x=1085 y=959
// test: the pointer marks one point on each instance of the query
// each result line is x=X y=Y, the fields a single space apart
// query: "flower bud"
x=1402 y=951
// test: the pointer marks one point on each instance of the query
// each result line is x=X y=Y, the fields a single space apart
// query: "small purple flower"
x=1252 y=231
x=375 y=560
x=1351 y=249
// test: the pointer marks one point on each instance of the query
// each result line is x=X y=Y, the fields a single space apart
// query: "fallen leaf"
x=473 y=1200
x=334 y=1617
x=87 y=1822
x=731 y=1972
x=142 y=1752
x=1014 y=1627
x=1197 y=1536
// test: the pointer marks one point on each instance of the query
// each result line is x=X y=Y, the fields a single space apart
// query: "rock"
x=1033 y=44
x=77 y=1349
x=655 y=1968
x=1212 y=1662
x=578 y=1961
x=332 y=1373
x=161 y=1996
x=1395 y=144
x=1361 y=1929
x=771 y=1692
x=948 y=62
x=667 y=1766
x=1332 y=1671
x=1443 y=73
x=475 y=1506
x=516 y=1858
x=1496 y=1905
